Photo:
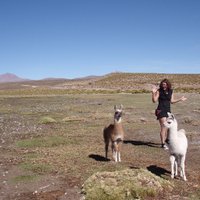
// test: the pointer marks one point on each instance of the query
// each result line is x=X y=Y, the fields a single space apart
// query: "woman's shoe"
x=164 y=146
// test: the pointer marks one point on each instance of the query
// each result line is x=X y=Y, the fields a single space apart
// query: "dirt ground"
x=51 y=144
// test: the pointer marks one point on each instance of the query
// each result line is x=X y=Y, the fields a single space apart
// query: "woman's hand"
x=183 y=98
x=154 y=89
x=177 y=100
x=155 y=93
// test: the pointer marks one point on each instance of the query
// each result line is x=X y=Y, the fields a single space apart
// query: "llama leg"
x=172 y=161
x=183 y=168
x=119 y=156
x=115 y=156
x=176 y=167
x=114 y=149
x=106 y=149
x=179 y=166
x=119 y=150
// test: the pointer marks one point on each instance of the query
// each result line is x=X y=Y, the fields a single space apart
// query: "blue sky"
x=75 y=38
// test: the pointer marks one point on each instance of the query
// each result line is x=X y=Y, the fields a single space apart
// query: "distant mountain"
x=88 y=77
x=8 y=77
x=52 y=79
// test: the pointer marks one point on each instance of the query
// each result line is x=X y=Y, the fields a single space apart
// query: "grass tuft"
x=125 y=184
x=47 y=120
x=51 y=141
x=36 y=167
x=25 y=178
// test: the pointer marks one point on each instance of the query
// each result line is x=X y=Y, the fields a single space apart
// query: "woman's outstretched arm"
x=173 y=100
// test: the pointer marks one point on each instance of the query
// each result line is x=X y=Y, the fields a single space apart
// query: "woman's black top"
x=164 y=103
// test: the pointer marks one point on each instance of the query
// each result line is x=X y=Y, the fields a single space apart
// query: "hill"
x=114 y=82
x=8 y=77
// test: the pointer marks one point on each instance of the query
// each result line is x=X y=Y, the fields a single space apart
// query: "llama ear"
x=121 y=107
x=169 y=114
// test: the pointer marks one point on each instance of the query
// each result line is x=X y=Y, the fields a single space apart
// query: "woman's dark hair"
x=169 y=85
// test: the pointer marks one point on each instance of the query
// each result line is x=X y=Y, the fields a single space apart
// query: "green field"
x=53 y=143
x=51 y=137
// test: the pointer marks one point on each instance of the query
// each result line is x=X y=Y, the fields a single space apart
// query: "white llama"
x=178 y=145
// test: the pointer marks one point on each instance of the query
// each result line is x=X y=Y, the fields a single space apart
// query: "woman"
x=164 y=96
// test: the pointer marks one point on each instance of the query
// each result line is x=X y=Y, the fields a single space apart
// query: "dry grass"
x=73 y=148
x=124 y=185
x=132 y=83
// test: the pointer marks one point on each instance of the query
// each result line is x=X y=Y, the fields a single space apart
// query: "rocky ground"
x=50 y=145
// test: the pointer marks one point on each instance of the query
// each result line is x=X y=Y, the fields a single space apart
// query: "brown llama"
x=115 y=134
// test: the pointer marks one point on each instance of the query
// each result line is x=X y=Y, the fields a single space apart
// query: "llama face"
x=170 y=120
x=118 y=113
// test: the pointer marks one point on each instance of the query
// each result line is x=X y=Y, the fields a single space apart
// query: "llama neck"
x=118 y=128
x=172 y=132
x=118 y=124
x=117 y=121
